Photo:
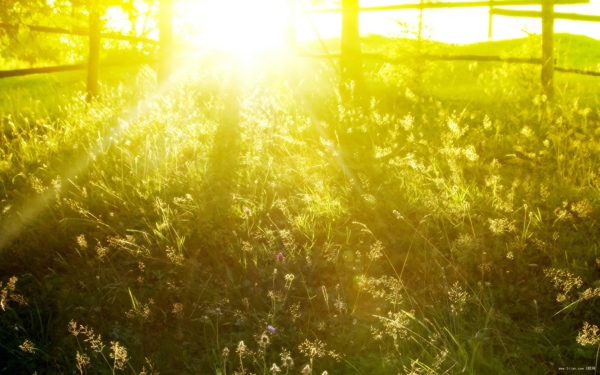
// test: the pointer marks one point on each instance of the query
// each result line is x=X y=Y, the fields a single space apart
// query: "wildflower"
x=286 y=359
x=306 y=370
x=264 y=340
x=376 y=251
x=241 y=348
x=280 y=257
x=178 y=310
x=119 y=355
x=27 y=346
x=588 y=335
x=275 y=369
x=73 y=328
x=101 y=251
x=458 y=298
x=95 y=341
x=314 y=349
x=271 y=329
x=174 y=256
x=583 y=209
x=82 y=360
x=81 y=241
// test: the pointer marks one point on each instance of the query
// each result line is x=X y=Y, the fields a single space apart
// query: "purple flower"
x=280 y=257
x=270 y=328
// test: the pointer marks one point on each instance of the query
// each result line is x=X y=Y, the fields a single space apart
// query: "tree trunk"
x=94 y=52
x=352 y=79
x=548 y=48
x=165 y=25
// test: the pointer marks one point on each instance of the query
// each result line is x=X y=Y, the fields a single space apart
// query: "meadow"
x=246 y=220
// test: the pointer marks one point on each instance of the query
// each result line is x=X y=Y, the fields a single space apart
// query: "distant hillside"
x=573 y=51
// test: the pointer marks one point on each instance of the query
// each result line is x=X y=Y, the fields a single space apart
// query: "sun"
x=238 y=25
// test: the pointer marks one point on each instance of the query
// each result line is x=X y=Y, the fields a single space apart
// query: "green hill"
x=573 y=51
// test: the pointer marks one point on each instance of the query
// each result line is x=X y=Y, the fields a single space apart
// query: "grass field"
x=246 y=220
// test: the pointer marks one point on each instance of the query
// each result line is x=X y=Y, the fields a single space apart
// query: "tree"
x=34 y=47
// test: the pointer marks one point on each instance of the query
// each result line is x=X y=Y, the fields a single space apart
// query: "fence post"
x=548 y=48
x=490 y=20
x=351 y=56
x=94 y=51
x=165 y=54
x=420 y=35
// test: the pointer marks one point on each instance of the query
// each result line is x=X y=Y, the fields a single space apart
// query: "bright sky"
x=246 y=25
x=462 y=25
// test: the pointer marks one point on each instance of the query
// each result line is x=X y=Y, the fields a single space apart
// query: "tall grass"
x=236 y=224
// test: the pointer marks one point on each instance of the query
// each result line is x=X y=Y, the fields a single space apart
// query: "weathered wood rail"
x=536 y=14
x=447 y=5
x=94 y=34
x=69 y=68
x=350 y=37
x=547 y=15
x=79 y=31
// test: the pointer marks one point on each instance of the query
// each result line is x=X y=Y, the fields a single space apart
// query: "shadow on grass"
x=223 y=161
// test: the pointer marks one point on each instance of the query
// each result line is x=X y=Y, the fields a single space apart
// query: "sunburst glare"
x=237 y=25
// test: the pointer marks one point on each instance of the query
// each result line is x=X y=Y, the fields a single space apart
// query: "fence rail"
x=577 y=71
x=444 y=5
x=79 y=31
x=165 y=41
x=94 y=34
x=547 y=15
x=48 y=69
x=536 y=14
x=432 y=57
x=68 y=68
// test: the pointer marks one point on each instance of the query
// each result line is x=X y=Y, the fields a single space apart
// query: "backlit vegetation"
x=448 y=225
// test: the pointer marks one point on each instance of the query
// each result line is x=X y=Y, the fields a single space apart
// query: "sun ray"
x=241 y=26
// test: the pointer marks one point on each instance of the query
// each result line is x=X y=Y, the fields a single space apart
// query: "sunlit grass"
x=435 y=230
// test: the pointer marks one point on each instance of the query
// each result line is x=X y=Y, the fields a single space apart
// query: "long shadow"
x=223 y=162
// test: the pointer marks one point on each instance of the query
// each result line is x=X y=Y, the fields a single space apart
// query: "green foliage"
x=23 y=47
x=189 y=232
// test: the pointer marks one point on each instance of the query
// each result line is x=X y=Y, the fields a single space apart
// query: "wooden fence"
x=79 y=31
x=95 y=35
x=547 y=15
x=351 y=55
x=66 y=68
